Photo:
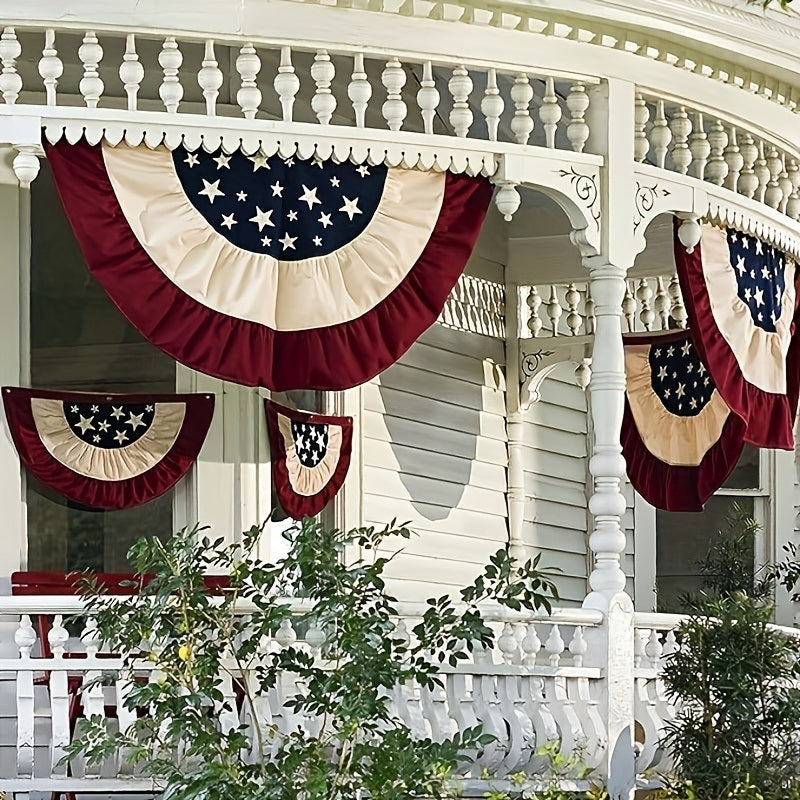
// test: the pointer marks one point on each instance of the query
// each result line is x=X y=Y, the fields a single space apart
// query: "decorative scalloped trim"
x=723 y=215
x=400 y=155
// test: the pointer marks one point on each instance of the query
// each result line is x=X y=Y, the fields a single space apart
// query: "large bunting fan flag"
x=310 y=457
x=742 y=303
x=107 y=451
x=679 y=438
x=284 y=273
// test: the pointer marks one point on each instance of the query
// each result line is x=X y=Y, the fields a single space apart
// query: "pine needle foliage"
x=735 y=681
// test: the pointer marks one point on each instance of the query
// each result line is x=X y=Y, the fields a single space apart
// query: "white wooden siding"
x=555 y=465
x=435 y=455
x=557 y=443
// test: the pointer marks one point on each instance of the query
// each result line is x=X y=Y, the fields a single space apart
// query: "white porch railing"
x=350 y=87
x=711 y=148
x=650 y=304
x=535 y=687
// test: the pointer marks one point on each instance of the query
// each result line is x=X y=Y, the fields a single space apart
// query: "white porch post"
x=612 y=127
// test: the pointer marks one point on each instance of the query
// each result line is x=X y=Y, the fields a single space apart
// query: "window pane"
x=682 y=541
x=80 y=341
x=745 y=473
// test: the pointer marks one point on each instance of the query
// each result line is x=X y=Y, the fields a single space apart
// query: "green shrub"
x=191 y=638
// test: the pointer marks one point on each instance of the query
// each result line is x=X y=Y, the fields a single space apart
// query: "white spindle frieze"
x=717 y=151
x=650 y=304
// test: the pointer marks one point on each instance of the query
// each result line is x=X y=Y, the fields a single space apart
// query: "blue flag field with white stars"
x=290 y=209
x=760 y=277
x=679 y=379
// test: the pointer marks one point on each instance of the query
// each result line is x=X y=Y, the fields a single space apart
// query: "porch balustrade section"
x=280 y=82
x=710 y=148
x=539 y=684
x=650 y=304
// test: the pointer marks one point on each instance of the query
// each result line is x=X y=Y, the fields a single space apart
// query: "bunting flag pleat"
x=285 y=273
x=680 y=439
x=107 y=451
x=741 y=298
x=310 y=455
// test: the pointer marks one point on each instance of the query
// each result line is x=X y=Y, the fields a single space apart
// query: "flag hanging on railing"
x=285 y=273
x=679 y=438
x=107 y=451
x=310 y=456
x=741 y=300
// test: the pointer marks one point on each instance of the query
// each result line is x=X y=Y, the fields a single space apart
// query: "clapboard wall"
x=557 y=445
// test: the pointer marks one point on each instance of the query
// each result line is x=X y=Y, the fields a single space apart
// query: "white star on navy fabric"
x=350 y=207
x=211 y=190
x=310 y=208
x=92 y=422
x=310 y=442
x=262 y=218
x=760 y=278
x=670 y=378
x=309 y=196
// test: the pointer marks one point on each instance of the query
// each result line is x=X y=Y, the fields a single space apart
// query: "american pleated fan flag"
x=270 y=271
x=310 y=456
x=107 y=451
x=679 y=437
x=741 y=299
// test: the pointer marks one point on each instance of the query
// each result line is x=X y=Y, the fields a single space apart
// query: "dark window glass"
x=80 y=341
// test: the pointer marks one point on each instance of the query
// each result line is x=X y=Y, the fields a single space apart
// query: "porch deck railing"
x=539 y=684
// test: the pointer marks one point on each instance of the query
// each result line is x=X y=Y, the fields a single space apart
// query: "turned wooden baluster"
x=91 y=85
x=660 y=135
x=359 y=90
x=323 y=103
x=641 y=116
x=734 y=160
x=248 y=65
x=460 y=87
x=522 y=121
x=170 y=58
x=681 y=128
x=550 y=113
x=51 y=67
x=492 y=105
x=394 y=109
x=748 y=180
x=286 y=84
x=428 y=97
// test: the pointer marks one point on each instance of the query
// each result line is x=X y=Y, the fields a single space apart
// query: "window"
x=80 y=341
x=682 y=540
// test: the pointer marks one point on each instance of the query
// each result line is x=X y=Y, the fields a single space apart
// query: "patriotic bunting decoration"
x=285 y=273
x=107 y=451
x=310 y=457
x=741 y=300
x=679 y=438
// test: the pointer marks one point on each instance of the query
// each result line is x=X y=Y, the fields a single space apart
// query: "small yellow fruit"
x=184 y=652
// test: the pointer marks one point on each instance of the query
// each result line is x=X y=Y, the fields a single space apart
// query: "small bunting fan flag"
x=741 y=300
x=107 y=451
x=262 y=270
x=679 y=437
x=310 y=457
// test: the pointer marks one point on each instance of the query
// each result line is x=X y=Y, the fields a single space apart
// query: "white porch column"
x=612 y=127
